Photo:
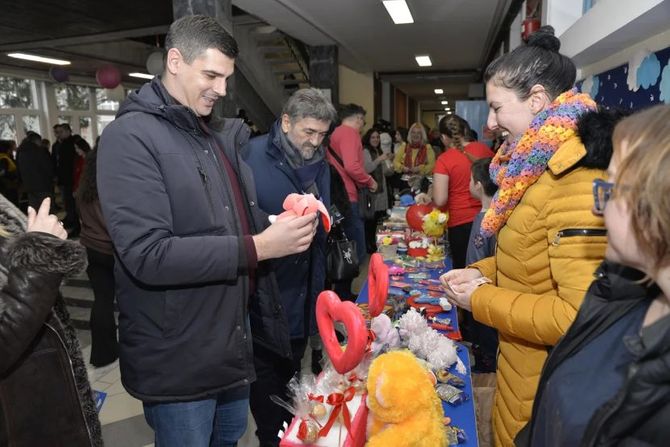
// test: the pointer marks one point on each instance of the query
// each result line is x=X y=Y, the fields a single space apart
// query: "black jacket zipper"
x=572 y=232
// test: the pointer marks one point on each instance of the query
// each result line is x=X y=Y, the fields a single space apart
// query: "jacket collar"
x=568 y=155
x=620 y=282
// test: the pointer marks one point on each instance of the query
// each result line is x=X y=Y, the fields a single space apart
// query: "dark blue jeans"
x=354 y=228
x=216 y=422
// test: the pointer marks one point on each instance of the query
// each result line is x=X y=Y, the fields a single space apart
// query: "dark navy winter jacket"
x=182 y=276
x=300 y=277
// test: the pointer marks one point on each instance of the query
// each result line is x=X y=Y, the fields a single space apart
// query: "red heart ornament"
x=329 y=308
x=378 y=284
x=414 y=215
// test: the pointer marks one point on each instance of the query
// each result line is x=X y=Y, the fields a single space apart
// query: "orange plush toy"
x=405 y=410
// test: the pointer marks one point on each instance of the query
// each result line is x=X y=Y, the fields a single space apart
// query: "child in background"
x=484 y=338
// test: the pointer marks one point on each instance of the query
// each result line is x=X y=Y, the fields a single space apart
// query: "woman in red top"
x=82 y=148
x=451 y=183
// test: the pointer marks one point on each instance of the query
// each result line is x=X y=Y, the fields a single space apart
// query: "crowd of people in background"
x=217 y=298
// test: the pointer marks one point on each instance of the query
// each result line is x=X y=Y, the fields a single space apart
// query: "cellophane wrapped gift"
x=336 y=408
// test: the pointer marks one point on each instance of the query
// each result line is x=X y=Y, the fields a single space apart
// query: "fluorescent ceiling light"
x=423 y=61
x=399 y=11
x=141 y=75
x=444 y=103
x=36 y=58
x=439 y=91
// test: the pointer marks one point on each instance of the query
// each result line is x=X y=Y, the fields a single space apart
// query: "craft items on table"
x=378 y=284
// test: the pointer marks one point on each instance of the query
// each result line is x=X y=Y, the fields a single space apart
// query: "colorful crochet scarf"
x=518 y=164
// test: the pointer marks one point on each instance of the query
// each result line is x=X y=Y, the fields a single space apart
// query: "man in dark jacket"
x=291 y=160
x=189 y=239
x=35 y=169
x=64 y=156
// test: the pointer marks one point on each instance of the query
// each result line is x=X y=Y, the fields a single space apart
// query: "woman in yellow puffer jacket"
x=549 y=241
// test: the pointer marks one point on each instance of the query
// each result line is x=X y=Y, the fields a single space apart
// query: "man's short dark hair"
x=309 y=103
x=348 y=110
x=193 y=35
x=56 y=126
x=66 y=126
x=480 y=173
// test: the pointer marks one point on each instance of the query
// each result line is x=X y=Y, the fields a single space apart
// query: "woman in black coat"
x=608 y=381
x=45 y=396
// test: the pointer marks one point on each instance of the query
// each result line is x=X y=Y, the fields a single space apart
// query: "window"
x=85 y=129
x=103 y=120
x=17 y=93
x=104 y=102
x=31 y=122
x=7 y=127
x=73 y=97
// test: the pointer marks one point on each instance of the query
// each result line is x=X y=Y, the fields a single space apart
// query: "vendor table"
x=463 y=415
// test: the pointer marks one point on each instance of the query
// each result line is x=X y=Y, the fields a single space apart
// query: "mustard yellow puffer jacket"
x=540 y=272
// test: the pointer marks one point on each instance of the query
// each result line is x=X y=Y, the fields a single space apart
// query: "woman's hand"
x=44 y=222
x=459 y=277
x=461 y=295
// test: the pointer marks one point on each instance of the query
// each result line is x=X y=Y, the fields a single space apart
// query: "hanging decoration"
x=156 y=63
x=108 y=76
x=59 y=74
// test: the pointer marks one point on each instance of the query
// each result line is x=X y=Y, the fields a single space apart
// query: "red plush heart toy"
x=378 y=284
x=329 y=308
x=301 y=204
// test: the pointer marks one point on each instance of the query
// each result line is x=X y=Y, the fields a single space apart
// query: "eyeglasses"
x=602 y=192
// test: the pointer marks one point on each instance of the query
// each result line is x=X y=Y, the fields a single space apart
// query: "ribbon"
x=339 y=403
x=314 y=397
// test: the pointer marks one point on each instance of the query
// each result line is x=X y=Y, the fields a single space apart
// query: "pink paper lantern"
x=108 y=76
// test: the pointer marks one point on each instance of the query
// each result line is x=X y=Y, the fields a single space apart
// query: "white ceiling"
x=457 y=34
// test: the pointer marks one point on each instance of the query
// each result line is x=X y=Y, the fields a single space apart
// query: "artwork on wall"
x=643 y=81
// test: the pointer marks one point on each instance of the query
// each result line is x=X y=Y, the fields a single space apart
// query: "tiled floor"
x=122 y=419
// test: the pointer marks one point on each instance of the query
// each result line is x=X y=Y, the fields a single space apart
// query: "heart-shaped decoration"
x=301 y=204
x=329 y=309
x=378 y=284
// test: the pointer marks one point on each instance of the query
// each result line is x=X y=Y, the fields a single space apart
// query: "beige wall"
x=357 y=88
x=430 y=118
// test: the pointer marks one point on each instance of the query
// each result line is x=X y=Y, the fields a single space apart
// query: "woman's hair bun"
x=545 y=38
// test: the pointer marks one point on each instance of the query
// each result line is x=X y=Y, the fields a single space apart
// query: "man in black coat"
x=35 y=169
x=190 y=241
x=64 y=155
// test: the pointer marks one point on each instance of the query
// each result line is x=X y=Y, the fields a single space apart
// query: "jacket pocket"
x=577 y=233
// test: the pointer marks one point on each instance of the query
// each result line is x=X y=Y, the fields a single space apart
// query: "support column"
x=222 y=11
x=323 y=70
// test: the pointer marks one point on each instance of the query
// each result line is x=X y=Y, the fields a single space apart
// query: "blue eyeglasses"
x=602 y=191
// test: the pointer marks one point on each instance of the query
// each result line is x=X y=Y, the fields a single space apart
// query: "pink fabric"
x=346 y=142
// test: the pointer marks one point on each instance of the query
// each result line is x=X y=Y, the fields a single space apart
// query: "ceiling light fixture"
x=439 y=91
x=423 y=61
x=141 y=75
x=399 y=11
x=36 y=58
x=444 y=103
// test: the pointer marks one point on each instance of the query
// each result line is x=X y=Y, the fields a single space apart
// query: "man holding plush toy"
x=189 y=239
x=290 y=159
